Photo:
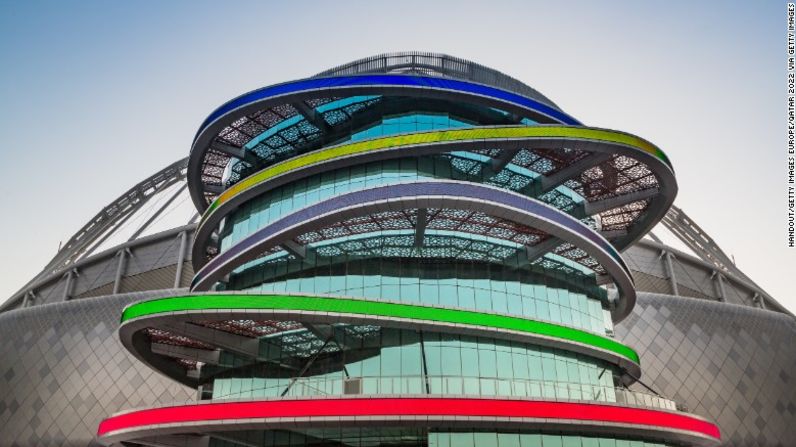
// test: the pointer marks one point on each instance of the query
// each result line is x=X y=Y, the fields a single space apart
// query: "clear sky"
x=96 y=96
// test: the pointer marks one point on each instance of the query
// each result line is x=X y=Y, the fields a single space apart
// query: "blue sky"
x=95 y=96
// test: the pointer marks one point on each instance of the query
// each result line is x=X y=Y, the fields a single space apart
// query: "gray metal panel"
x=643 y=258
x=159 y=278
x=95 y=275
x=698 y=280
x=97 y=272
x=733 y=364
x=151 y=257
x=693 y=276
x=51 y=294
x=63 y=370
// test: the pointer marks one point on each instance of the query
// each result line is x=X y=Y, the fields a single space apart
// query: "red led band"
x=407 y=407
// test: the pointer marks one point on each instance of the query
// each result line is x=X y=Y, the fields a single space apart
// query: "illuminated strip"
x=446 y=136
x=433 y=194
x=371 y=84
x=297 y=303
x=380 y=81
x=403 y=411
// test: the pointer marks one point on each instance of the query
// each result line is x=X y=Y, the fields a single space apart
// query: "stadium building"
x=406 y=250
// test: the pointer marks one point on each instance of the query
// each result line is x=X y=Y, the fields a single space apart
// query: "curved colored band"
x=431 y=411
x=436 y=194
x=384 y=80
x=422 y=143
x=378 y=84
x=483 y=134
x=327 y=310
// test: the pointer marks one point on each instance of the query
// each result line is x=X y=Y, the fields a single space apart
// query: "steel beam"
x=68 y=286
x=325 y=331
x=236 y=152
x=420 y=226
x=117 y=281
x=758 y=299
x=720 y=283
x=157 y=213
x=550 y=182
x=248 y=347
x=295 y=249
x=500 y=162
x=611 y=234
x=232 y=151
x=307 y=365
x=530 y=253
x=669 y=266
x=654 y=237
x=598 y=206
x=184 y=352
x=238 y=344
x=110 y=218
x=312 y=116
x=180 y=259
x=693 y=236
x=535 y=252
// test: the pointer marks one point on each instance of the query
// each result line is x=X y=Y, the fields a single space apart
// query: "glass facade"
x=476 y=439
x=387 y=361
x=362 y=437
x=463 y=166
x=330 y=279
x=382 y=115
x=451 y=267
x=536 y=293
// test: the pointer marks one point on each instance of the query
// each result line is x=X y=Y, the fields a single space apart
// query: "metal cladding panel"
x=51 y=294
x=150 y=257
x=643 y=259
x=153 y=258
x=159 y=278
x=697 y=280
x=694 y=293
x=63 y=370
x=650 y=283
x=106 y=289
x=738 y=296
x=733 y=364
x=94 y=276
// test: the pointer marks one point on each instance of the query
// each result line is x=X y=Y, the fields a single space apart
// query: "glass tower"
x=407 y=250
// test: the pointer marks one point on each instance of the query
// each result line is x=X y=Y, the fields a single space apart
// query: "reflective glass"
x=393 y=361
x=389 y=273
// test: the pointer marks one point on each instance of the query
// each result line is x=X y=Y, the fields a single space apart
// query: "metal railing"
x=435 y=64
x=438 y=385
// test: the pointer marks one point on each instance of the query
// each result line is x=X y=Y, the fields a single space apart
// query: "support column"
x=25 y=299
x=669 y=266
x=720 y=282
x=68 y=286
x=420 y=227
x=117 y=281
x=180 y=259
x=758 y=300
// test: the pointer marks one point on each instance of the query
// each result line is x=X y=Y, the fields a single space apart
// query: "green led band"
x=478 y=133
x=226 y=302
